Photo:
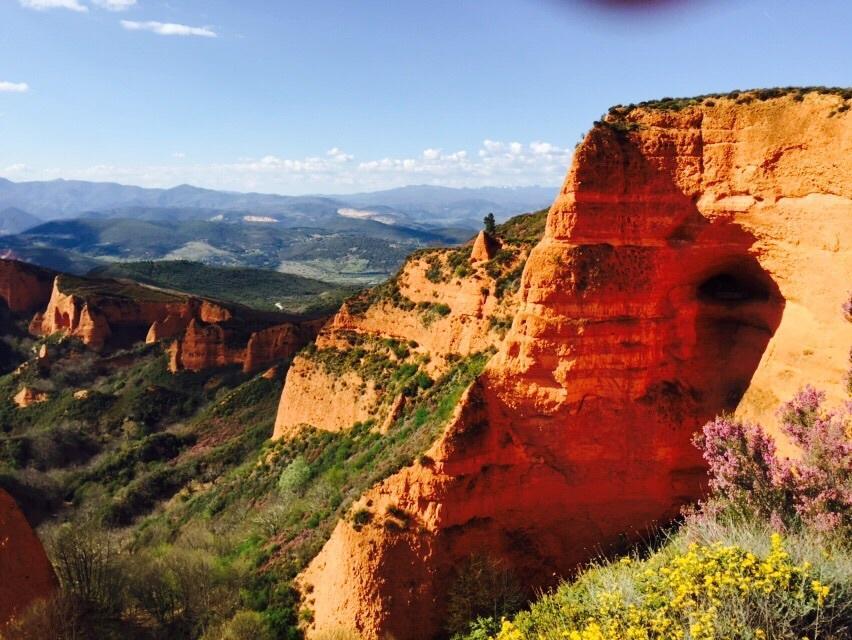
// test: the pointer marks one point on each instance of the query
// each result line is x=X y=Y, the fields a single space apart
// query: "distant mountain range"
x=361 y=238
x=423 y=205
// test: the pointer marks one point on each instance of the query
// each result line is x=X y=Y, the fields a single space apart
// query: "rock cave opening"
x=739 y=307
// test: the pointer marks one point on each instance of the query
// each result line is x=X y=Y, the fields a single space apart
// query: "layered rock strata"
x=694 y=262
x=203 y=346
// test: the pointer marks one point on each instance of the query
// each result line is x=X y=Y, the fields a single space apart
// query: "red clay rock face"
x=97 y=319
x=204 y=346
x=24 y=287
x=169 y=327
x=25 y=571
x=272 y=345
x=692 y=264
x=484 y=248
x=205 y=333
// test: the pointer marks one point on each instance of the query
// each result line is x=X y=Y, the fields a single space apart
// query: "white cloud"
x=115 y=5
x=180 y=155
x=338 y=155
x=541 y=147
x=168 y=28
x=16 y=170
x=14 y=87
x=42 y=5
x=493 y=163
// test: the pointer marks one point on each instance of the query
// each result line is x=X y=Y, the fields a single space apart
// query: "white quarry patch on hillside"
x=258 y=219
x=366 y=214
x=196 y=250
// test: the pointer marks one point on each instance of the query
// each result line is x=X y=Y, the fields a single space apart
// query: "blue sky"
x=337 y=96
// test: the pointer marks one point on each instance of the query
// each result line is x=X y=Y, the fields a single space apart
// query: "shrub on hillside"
x=699 y=591
x=245 y=625
x=483 y=589
x=814 y=490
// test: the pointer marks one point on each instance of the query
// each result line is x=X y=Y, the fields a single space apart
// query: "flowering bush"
x=703 y=593
x=815 y=489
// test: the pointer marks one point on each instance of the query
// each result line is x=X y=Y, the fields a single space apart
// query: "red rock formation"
x=24 y=287
x=204 y=346
x=484 y=248
x=96 y=310
x=686 y=270
x=169 y=327
x=207 y=333
x=25 y=572
x=272 y=345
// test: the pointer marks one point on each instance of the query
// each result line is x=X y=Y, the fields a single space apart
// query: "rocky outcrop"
x=101 y=311
x=439 y=307
x=27 y=396
x=274 y=344
x=305 y=400
x=24 y=287
x=204 y=333
x=693 y=263
x=484 y=248
x=204 y=346
x=26 y=572
x=169 y=327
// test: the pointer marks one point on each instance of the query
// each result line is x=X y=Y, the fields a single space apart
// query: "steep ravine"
x=694 y=262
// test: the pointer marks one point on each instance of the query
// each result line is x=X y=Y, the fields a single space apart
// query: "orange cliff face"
x=102 y=311
x=204 y=333
x=204 y=346
x=444 y=303
x=694 y=262
x=24 y=287
x=26 y=572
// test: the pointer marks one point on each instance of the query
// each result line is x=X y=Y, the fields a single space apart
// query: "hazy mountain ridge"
x=423 y=204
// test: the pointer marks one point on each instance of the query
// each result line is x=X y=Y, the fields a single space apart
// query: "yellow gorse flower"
x=680 y=600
